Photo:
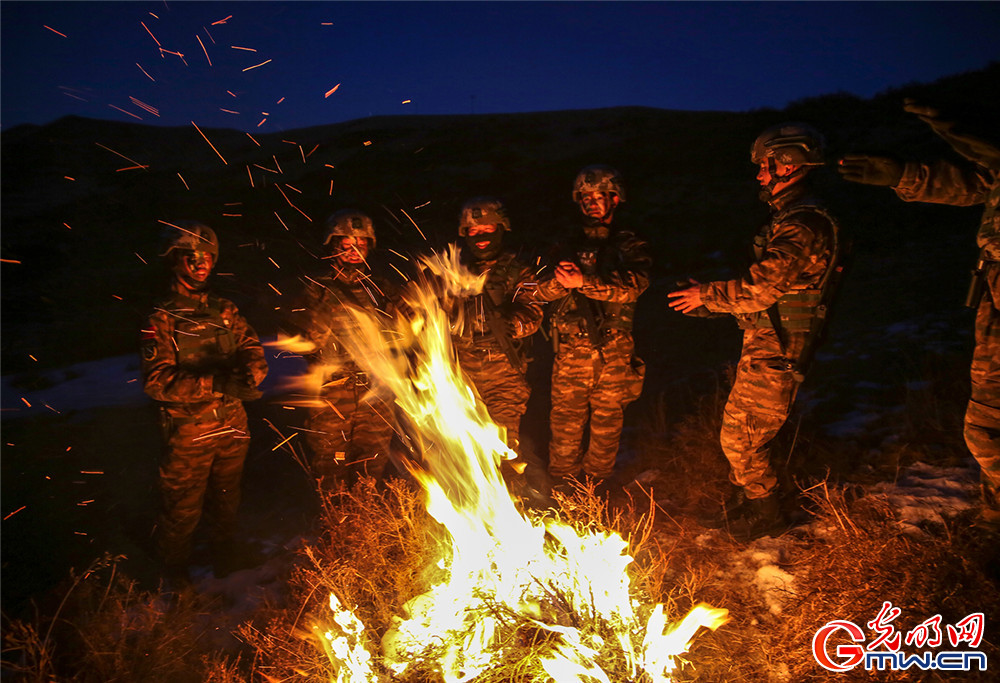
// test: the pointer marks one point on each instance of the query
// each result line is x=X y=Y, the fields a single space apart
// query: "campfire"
x=505 y=578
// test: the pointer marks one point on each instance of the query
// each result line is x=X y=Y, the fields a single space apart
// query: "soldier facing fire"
x=349 y=426
x=778 y=303
x=977 y=182
x=593 y=293
x=200 y=361
x=490 y=342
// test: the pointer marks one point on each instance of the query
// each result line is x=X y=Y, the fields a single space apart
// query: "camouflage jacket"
x=190 y=338
x=510 y=286
x=792 y=253
x=615 y=265
x=945 y=183
x=321 y=313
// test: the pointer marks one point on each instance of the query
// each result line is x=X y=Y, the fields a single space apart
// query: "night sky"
x=271 y=66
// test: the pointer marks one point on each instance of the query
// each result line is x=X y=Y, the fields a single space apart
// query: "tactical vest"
x=337 y=294
x=797 y=310
x=594 y=257
x=500 y=282
x=203 y=338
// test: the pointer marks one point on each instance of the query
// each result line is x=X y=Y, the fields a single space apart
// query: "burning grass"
x=443 y=577
x=372 y=551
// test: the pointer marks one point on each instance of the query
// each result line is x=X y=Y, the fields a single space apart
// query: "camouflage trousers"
x=503 y=389
x=201 y=470
x=758 y=406
x=982 y=416
x=587 y=383
x=350 y=434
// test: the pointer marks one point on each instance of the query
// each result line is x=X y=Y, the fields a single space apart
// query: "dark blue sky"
x=457 y=57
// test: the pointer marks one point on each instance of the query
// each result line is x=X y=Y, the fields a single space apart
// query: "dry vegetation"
x=374 y=545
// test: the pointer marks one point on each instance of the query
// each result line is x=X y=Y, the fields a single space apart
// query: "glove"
x=871 y=170
x=929 y=115
x=232 y=384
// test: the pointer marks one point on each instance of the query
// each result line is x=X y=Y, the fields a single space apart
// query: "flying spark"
x=222 y=21
x=118 y=154
x=256 y=65
x=203 y=49
x=144 y=71
x=183 y=181
x=331 y=91
x=252 y=138
x=125 y=112
x=209 y=143
x=11 y=514
x=54 y=31
x=151 y=35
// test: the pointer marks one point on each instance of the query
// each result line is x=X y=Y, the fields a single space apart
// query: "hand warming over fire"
x=568 y=275
x=686 y=300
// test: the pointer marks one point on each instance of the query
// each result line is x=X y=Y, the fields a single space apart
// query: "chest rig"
x=203 y=336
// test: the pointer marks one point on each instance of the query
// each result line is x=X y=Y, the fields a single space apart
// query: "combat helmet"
x=598 y=178
x=789 y=143
x=482 y=211
x=190 y=236
x=349 y=223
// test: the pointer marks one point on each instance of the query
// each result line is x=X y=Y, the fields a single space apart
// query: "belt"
x=217 y=414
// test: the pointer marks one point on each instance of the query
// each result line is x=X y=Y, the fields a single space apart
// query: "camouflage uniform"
x=946 y=183
x=353 y=426
x=595 y=377
x=188 y=340
x=791 y=256
x=501 y=385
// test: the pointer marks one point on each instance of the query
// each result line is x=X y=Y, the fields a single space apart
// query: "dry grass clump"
x=106 y=629
x=378 y=550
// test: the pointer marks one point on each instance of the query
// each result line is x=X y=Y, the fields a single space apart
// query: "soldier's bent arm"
x=163 y=379
x=624 y=283
x=792 y=249
x=549 y=290
x=249 y=352
x=524 y=309
x=943 y=182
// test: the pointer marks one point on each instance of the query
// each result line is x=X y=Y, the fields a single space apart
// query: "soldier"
x=776 y=304
x=944 y=182
x=489 y=343
x=349 y=427
x=200 y=361
x=593 y=293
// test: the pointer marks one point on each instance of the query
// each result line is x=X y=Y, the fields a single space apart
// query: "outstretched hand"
x=686 y=300
x=870 y=170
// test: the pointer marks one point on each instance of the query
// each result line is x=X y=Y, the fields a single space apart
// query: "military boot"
x=732 y=508
x=761 y=517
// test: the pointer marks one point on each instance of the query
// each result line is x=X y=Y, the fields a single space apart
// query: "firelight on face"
x=595 y=204
x=197 y=265
x=353 y=250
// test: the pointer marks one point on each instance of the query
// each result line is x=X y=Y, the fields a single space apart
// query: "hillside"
x=82 y=199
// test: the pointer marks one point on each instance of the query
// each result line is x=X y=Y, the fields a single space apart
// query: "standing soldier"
x=349 y=425
x=778 y=305
x=943 y=182
x=594 y=292
x=200 y=361
x=489 y=343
